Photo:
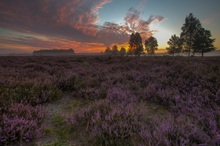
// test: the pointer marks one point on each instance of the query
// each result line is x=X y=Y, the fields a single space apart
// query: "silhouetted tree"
x=203 y=42
x=54 y=52
x=115 y=50
x=131 y=44
x=196 y=39
x=108 y=51
x=151 y=45
x=175 y=45
x=135 y=44
x=189 y=31
x=122 y=52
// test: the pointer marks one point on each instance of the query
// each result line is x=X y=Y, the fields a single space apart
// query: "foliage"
x=151 y=45
x=135 y=44
x=189 y=30
x=54 y=52
x=195 y=37
x=108 y=50
x=122 y=51
x=114 y=51
x=203 y=42
x=21 y=122
x=175 y=45
x=115 y=120
x=33 y=94
x=184 y=92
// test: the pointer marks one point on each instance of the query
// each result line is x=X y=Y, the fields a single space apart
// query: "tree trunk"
x=189 y=51
x=190 y=45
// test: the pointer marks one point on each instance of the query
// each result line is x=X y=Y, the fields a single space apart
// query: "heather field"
x=110 y=101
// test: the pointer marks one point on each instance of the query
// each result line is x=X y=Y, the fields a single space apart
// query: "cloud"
x=28 y=42
x=68 y=22
x=211 y=20
x=134 y=22
x=115 y=33
x=74 y=19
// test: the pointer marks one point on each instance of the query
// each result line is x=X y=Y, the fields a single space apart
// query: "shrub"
x=21 y=122
x=33 y=93
x=115 y=120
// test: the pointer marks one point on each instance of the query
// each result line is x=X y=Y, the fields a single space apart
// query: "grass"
x=57 y=133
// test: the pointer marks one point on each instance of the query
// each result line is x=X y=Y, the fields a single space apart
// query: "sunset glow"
x=91 y=26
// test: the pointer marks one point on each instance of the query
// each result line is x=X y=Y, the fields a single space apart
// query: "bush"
x=32 y=93
x=115 y=120
x=21 y=122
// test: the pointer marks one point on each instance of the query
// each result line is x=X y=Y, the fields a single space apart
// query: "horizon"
x=88 y=27
x=159 y=52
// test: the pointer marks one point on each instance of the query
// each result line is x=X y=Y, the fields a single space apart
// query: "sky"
x=90 y=25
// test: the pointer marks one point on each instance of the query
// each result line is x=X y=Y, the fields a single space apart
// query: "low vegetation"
x=107 y=100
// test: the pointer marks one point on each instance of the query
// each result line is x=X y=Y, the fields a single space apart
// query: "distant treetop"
x=54 y=52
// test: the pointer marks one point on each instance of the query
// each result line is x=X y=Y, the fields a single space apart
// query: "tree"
x=175 y=45
x=54 y=52
x=203 y=42
x=131 y=44
x=151 y=45
x=196 y=39
x=108 y=51
x=189 y=31
x=115 y=50
x=135 y=44
x=122 y=52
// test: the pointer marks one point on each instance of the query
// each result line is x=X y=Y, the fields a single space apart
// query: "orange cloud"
x=31 y=43
x=67 y=24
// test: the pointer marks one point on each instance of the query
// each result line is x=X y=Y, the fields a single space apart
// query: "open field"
x=104 y=100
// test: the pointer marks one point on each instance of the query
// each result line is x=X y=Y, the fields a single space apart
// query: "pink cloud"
x=69 y=22
x=211 y=20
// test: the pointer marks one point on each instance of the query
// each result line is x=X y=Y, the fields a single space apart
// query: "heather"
x=21 y=123
x=111 y=100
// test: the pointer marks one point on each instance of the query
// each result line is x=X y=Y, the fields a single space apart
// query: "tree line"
x=193 y=39
x=115 y=51
x=135 y=46
x=54 y=52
